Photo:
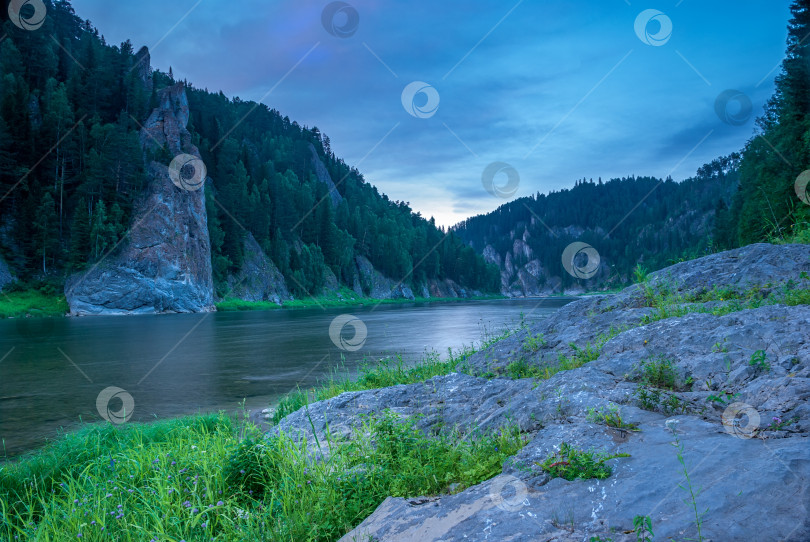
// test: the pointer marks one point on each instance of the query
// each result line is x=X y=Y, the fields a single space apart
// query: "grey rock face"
x=259 y=279
x=165 y=263
x=376 y=285
x=323 y=176
x=6 y=277
x=740 y=417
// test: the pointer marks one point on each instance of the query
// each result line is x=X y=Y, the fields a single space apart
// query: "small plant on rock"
x=724 y=397
x=759 y=361
x=612 y=417
x=521 y=369
x=571 y=464
x=777 y=424
x=658 y=372
x=643 y=528
x=534 y=343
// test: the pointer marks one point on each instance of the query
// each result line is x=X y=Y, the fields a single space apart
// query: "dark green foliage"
x=70 y=161
x=571 y=464
x=766 y=206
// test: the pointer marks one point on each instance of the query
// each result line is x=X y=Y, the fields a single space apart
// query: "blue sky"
x=559 y=90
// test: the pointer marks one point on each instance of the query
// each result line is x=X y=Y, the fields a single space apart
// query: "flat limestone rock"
x=739 y=415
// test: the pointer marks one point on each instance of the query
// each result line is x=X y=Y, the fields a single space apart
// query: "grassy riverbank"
x=341 y=298
x=32 y=302
x=216 y=477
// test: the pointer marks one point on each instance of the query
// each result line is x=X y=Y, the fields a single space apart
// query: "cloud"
x=548 y=71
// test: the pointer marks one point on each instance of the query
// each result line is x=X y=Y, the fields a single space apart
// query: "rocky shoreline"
x=701 y=374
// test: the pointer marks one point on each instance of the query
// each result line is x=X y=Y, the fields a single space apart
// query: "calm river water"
x=53 y=370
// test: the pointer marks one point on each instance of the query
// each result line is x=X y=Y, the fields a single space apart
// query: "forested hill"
x=527 y=237
x=72 y=171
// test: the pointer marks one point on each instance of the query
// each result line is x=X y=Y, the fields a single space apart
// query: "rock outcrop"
x=164 y=265
x=736 y=408
x=374 y=284
x=259 y=279
x=323 y=176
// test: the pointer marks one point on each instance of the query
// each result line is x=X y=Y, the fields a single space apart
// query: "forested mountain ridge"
x=73 y=168
x=527 y=237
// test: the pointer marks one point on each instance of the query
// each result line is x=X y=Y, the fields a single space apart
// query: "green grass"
x=571 y=464
x=32 y=303
x=669 y=304
x=610 y=416
x=342 y=298
x=214 y=478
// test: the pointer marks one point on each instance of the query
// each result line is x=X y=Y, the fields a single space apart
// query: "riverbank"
x=37 y=303
x=32 y=303
x=342 y=298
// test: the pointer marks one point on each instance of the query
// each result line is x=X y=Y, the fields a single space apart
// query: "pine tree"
x=772 y=160
x=45 y=226
x=80 y=235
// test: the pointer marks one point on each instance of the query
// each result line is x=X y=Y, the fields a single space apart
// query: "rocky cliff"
x=323 y=176
x=712 y=356
x=164 y=264
x=259 y=279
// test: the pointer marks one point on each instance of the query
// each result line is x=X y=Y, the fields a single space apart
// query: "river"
x=52 y=371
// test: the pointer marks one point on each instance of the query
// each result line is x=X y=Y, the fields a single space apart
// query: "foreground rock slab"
x=723 y=446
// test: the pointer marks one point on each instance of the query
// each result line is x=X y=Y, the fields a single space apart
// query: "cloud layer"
x=558 y=89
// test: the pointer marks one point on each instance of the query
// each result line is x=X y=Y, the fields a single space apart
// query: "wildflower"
x=187 y=504
x=204 y=525
x=777 y=420
x=194 y=511
x=108 y=495
x=220 y=503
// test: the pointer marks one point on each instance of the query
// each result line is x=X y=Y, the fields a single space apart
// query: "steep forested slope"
x=72 y=169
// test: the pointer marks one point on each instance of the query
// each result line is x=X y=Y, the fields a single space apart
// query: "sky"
x=423 y=97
